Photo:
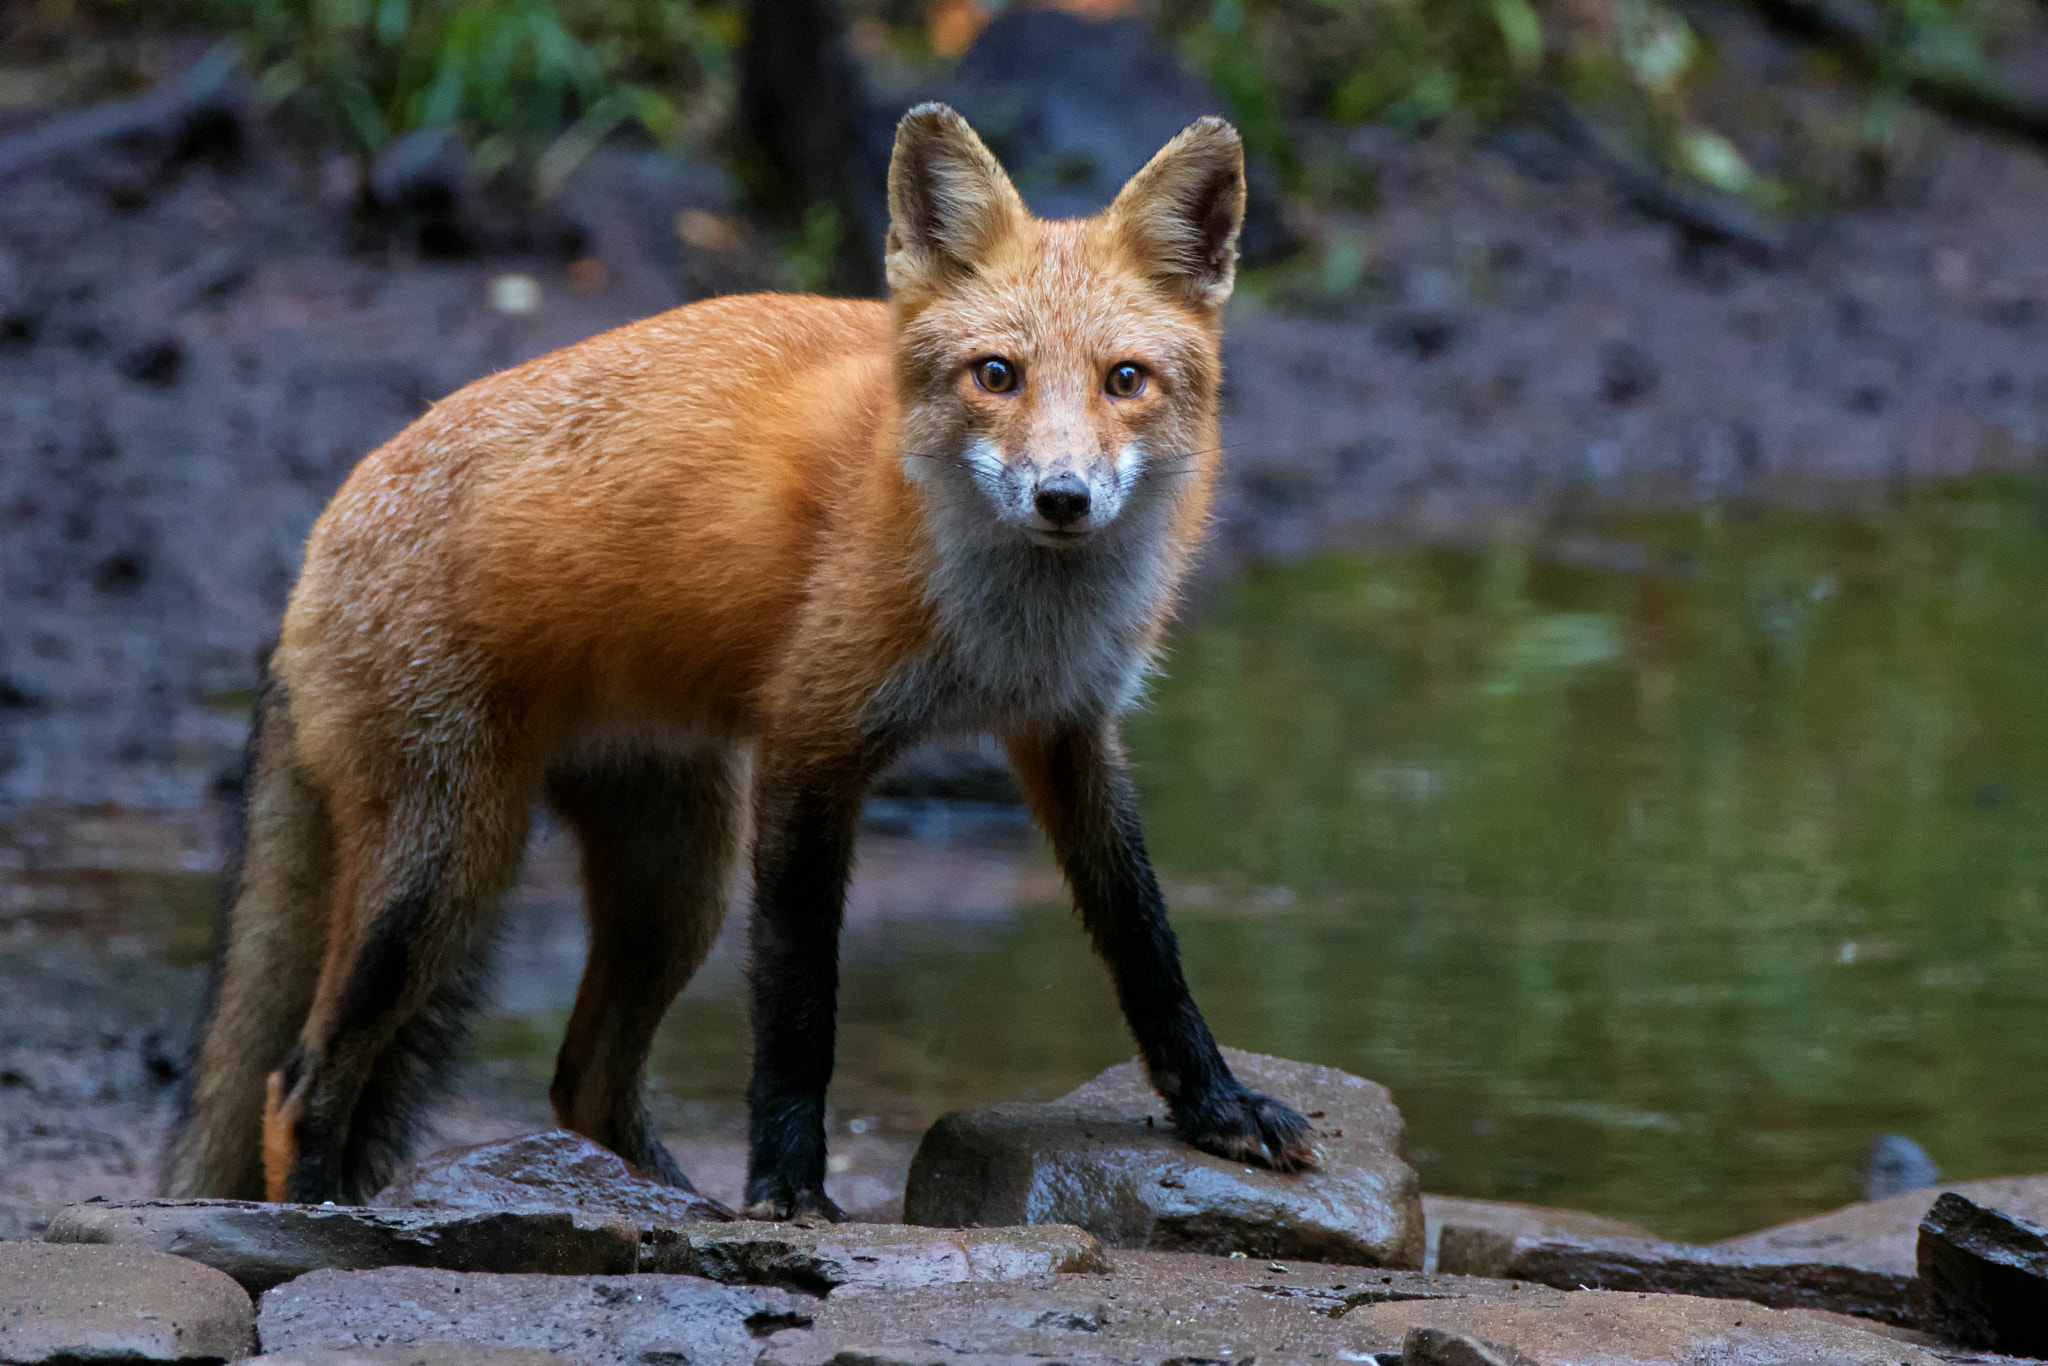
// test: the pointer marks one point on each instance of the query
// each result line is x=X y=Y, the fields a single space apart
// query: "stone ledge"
x=591 y=1320
x=1512 y=1218
x=77 y=1304
x=1606 y=1328
x=1640 y=1264
x=1883 y=1234
x=821 y=1258
x=418 y=1354
x=264 y=1245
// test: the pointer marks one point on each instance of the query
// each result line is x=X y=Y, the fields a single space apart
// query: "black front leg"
x=803 y=849
x=1081 y=792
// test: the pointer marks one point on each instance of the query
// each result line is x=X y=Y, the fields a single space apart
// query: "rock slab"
x=1984 y=1277
x=1154 y=1307
x=1472 y=1254
x=592 y=1320
x=1884 y=1235
x=263 y=1245
x=1102 y=1158
x=1603 y=1328
x=819 y=1259
x=1159 y=1308
x=75 y=1304
x=421 y=1354
x=1782 y=1281
x=552 y=1169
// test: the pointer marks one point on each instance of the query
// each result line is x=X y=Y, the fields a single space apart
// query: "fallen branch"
x=1703 y=214
x=167 y=106
x=1852 y=37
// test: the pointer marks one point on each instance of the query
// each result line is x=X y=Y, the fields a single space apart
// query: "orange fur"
x=278 y=1148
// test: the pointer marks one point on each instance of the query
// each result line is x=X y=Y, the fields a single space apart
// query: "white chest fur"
x=1033 y=634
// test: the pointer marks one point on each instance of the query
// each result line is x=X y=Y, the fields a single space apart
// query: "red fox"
x=723 y=564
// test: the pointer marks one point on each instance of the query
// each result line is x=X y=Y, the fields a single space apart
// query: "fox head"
x=1058 y=379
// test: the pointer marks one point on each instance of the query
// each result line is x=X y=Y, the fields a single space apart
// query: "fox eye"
x=1124 y=381
x=995 y=375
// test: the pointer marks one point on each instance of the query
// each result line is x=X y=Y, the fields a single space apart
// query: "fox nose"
x=1062 y=500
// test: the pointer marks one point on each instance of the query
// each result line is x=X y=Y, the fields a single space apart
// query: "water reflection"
x=1655 y=869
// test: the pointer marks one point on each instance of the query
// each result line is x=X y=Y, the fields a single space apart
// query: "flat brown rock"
x=821 y=1258
x=77 y=1304
x=421 y=1354
x=262 y=1245
x=1882 y=1234
x=1331 y=1288
x=1474 y=1256
x=554 y=1168
x=1103 y=1159
x=592 y=1320
x=1856 y=1260
x=1153 y=1307
x=1603 y=1328
x=1785 y=1281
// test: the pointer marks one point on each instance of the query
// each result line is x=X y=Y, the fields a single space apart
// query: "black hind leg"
x=414 y=904
x=413 y=1069
x=660 y=834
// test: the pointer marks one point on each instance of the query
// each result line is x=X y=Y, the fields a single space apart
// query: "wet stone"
x=820 y=1259
x=1984 y=1277
x=1152 y=1307
x=554 y=1168
x=592 y=1320
x=1786 y=1281
x=1471 y=1254
x=1605 y=1328
x=1441 y=1347
x=262 y=1245
x=100 y=1304
x=1102 y=1158
x=1883 y=1235
x=419 y=1354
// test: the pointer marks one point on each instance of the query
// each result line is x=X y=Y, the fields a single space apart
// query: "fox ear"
x=1180 y=215
x=950 y=204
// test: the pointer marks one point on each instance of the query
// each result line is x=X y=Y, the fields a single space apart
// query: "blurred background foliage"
x=523 y=79
x=531 y=84
x=1646 y=70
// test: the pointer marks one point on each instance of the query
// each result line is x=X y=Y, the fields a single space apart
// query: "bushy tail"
x=267 y=949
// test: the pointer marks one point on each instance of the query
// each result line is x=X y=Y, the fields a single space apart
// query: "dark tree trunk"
x=802 y=132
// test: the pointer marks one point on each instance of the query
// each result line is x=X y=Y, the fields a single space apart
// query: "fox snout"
x=1061 y=501
x=1065 y=505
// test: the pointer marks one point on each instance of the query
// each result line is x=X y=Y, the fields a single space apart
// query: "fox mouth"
x=1059 y=536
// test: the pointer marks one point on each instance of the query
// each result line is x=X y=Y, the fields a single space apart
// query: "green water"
x=1656 y=867
x=1658 y=889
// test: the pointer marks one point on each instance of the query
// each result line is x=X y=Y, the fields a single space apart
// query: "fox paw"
x=778 y=1200
x=1249 y=1127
